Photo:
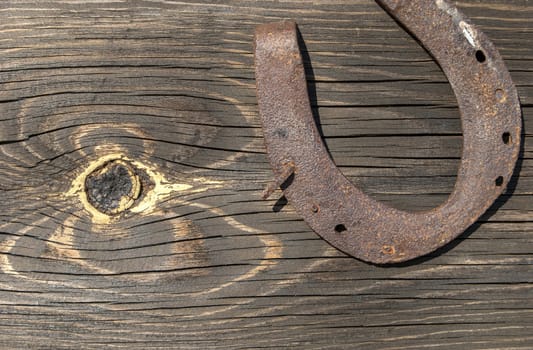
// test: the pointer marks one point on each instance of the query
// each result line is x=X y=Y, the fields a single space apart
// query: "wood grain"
x=200 y=262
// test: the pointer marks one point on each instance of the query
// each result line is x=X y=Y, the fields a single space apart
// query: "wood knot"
x=113 y=187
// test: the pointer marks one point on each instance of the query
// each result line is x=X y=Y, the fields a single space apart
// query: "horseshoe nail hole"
x=506 y=138
x=340 y=228
x=388 y=250
x=480 y=56
x=499 y=181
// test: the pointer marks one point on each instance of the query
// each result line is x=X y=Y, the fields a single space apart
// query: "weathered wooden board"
x=200 y=262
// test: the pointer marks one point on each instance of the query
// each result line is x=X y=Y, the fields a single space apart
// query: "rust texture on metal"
x=340 y=212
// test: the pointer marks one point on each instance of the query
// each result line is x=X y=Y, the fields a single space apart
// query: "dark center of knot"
x=113 y=188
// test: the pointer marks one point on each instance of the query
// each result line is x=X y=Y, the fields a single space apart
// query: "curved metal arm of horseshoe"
x=336 y=209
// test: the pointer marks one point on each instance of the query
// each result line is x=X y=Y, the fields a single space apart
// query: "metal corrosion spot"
x=337 y=210
x=113 y=187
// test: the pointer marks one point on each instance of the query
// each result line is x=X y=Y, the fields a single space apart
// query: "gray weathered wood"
x=169 y=86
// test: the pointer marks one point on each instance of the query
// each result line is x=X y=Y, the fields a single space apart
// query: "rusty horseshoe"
x=330 y=204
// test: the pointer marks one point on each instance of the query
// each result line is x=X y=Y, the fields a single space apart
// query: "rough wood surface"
x=199 y=261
